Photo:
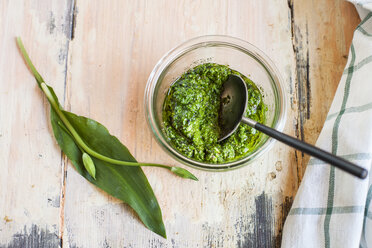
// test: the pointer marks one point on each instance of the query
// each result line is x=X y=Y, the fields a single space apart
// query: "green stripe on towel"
x=331 y=187
x=322 y=211
x=358 y=109
x=355 y=156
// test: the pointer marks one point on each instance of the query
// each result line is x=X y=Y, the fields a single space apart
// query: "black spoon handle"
x=309 y=149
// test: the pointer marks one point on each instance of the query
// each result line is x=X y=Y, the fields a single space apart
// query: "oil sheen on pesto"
x=191 y=115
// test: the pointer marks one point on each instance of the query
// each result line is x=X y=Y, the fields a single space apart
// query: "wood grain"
x=30 y=161
x=116 y=45
x=321 y=41
x=98 y=55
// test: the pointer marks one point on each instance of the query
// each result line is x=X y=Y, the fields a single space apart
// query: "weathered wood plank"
x=31 y=165
x=321 y=40
x=116 y=45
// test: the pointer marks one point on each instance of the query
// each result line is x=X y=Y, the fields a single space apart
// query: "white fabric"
x=333 y=208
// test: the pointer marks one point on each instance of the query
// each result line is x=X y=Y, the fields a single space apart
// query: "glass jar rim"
x=204 y=41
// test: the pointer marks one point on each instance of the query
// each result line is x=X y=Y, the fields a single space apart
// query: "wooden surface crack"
x=71 y=15
x=302 y=95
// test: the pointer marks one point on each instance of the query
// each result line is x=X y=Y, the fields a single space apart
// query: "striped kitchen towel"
x=333 y=208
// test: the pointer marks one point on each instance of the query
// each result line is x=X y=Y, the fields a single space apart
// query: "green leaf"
x=183 y=173
x=89 y=165
x=126 y=183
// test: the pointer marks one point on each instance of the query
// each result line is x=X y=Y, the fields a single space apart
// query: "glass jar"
x=238 y=55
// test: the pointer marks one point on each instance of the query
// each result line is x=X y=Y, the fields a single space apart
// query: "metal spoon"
x=234 y=103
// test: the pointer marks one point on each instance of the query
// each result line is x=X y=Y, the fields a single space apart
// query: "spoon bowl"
x=233 y=105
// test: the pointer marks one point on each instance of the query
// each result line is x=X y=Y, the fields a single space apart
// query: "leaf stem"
x=37 y=76
x=68 y=132
x=80 y=141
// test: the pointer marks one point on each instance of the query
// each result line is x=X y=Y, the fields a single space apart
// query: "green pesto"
x=191 y=112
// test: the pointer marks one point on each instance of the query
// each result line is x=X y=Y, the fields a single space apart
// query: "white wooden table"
x=98 y=55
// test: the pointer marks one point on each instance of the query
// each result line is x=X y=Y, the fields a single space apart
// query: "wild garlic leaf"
x=126 y=183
